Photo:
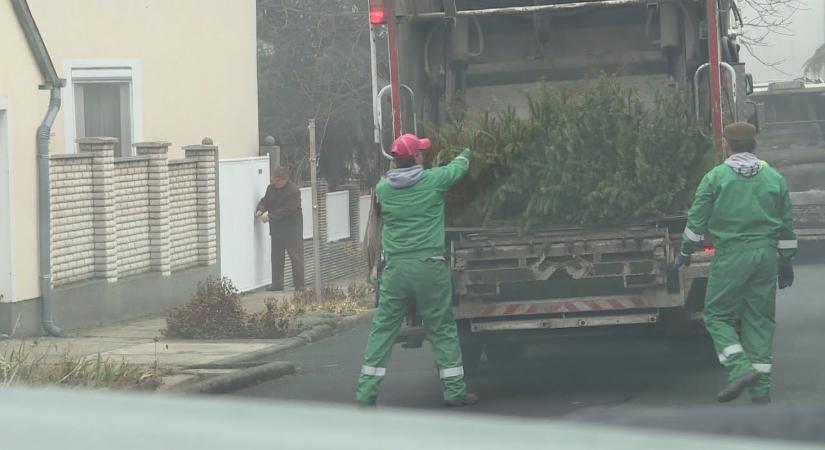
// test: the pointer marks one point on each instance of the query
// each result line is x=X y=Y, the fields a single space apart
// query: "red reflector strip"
x=593 y=306
x=511 y=309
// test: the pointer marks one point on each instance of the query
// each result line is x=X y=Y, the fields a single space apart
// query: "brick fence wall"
x=117 y=217
x=183 y=208
x=72 y=218
x=132 y=215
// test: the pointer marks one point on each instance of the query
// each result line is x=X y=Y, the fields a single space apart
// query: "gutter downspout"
x=53 y=83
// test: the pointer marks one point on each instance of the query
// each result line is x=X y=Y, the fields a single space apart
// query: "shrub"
x=214 y=312
x=274 y=323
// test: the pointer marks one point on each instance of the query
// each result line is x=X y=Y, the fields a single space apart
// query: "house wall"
x=26 y=108
x=197 y=57
x=196 y=65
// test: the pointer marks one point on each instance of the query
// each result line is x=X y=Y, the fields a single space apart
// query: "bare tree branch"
x=762 y=19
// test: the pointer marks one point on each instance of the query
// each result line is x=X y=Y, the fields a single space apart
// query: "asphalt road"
x=575 y=376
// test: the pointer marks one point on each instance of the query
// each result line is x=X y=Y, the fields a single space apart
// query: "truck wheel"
x=504 y=353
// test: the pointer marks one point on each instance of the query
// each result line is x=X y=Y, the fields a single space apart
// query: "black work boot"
x=468 y=400
x=762 y=400
x=736 y=387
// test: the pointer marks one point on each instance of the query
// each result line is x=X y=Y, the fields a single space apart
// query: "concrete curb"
x=314 y=334
x=250 y=374
x=350 y=322
x=241 y=379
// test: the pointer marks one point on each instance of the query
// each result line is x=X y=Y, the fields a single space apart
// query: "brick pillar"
x=102 y=151
x=206 y=158
x=158 y=181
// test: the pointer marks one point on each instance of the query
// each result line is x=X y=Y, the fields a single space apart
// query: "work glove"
x=785 y=275
x=681 y=260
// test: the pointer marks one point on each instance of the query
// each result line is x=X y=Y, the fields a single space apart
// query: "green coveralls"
x=750 y=223
x=412 y=237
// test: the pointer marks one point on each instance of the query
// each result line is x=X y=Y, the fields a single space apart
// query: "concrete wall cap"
x=152 y=144
x=97 y=140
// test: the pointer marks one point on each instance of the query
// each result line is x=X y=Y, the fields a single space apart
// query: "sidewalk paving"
x=141 y=342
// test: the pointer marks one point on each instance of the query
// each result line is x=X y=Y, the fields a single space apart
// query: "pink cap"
x=408 y=145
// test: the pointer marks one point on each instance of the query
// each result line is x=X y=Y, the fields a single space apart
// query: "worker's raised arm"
x=698 y=215
x=447 y=176
x=787 y=237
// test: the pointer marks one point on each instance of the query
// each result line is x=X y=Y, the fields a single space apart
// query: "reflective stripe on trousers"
x=729 y=351
x=763 y=368
x=451 y=372
x=373 y=371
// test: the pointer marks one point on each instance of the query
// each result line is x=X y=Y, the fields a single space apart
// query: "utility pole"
x=395 y=78
x=374 y=75
x=715 y=73
x=316 y=234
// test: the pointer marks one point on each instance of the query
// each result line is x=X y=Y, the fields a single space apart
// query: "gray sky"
x=790 y=52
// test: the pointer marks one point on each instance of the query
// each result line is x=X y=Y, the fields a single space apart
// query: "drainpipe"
x=53 y=83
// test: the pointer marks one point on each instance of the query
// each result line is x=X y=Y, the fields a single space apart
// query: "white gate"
x=244 y=239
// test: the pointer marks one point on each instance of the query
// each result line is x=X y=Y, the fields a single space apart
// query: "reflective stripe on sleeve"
x=763 y=368
x=451 y=372
x=464 y=158
x=373 y=371
x=693 y=236
x=788 y=244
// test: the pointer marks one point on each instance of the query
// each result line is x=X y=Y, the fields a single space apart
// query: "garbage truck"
x=453 y=57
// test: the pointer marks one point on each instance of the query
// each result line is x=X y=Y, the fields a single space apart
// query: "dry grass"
x=21 y=367
x=353 y=300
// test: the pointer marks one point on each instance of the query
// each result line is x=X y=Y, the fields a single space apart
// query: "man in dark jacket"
x=281 y=208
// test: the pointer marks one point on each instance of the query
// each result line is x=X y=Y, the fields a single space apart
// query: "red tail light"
x=377 y=12
x=709 y=249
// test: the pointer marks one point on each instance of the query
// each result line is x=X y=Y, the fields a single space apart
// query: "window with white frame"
x=104 y=101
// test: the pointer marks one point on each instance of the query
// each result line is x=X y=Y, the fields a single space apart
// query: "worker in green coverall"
x=411 y=205
x=744 y=207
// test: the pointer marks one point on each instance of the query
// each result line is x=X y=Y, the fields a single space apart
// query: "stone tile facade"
x=118 y=217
